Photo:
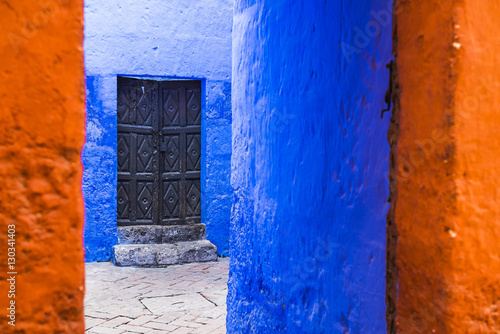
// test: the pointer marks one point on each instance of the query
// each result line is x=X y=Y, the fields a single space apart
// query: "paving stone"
x=142 y=320
x=182 y=330
x=203 y=320
x=100 y=315
x=189 y=324
x=169 y=317
x=116 y=322
x=104 y=330
x=131 y=308
x=206 y=329
x=161 y=326
x=92 y=322
x=181 y=302
x=122 y=305
x=134 y=329
x=215 y=297
x=220 y=330
x=215 y=313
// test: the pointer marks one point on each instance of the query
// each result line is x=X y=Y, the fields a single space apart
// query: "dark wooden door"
x=159 y=152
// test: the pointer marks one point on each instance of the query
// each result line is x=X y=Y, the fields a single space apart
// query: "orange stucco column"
x=444 y=243
x=42 y=122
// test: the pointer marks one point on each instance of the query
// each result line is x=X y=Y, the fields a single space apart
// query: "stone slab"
x=148 y=234
x=162 y=255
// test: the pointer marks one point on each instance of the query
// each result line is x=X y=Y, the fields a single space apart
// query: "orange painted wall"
x=42 y=121
x=447 y=148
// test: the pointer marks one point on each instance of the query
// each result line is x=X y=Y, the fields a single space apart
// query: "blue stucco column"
x=310 y=166
x=100 y=171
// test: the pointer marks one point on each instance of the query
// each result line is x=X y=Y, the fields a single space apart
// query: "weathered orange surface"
x=447 y=210
x=42 y=119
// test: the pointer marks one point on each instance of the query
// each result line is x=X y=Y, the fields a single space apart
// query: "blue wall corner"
x=99 y=178
x=310 y=165
x=155 y=39
x=217 y=162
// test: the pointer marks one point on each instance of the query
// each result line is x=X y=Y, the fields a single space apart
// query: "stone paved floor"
x=179 y=299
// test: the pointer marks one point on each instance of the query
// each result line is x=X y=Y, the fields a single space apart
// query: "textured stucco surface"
x=42 y=120
x=161 y=40
x=309 y=168
x=447 y=167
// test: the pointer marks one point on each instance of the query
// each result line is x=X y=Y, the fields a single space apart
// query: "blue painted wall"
x=167 y=39
x=309 y=167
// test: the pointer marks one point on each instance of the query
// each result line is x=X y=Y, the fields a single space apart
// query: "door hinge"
x=388 y=93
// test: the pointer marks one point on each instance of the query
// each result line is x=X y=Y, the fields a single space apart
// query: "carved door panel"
x=180 y=137
x=159 y=152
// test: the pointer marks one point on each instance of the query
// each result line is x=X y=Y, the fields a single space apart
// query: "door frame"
x=203 y=162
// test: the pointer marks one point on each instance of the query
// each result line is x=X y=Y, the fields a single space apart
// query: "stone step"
x=155 y=234
x=162 y=255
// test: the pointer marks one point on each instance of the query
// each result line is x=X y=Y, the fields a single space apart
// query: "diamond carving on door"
x=158 y=152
